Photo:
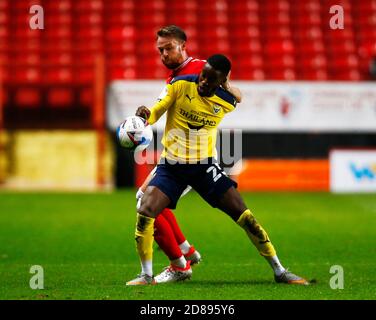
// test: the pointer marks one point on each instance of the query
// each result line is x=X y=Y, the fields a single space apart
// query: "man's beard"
x=172 y=65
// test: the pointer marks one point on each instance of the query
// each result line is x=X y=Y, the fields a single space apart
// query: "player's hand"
x=143 y=112
x=226 y=85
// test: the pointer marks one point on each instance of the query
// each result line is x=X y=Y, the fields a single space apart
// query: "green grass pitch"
x=85 y=244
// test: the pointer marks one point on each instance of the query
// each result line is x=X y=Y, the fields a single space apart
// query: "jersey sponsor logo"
x=189 y=98
x=197 y=119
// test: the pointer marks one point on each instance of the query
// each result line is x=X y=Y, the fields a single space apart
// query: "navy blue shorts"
x=209 y=180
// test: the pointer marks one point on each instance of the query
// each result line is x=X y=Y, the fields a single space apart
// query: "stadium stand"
x=269 y=40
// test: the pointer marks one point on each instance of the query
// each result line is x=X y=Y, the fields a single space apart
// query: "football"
x=134 y=133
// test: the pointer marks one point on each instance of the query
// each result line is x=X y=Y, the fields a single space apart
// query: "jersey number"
x=214 y=170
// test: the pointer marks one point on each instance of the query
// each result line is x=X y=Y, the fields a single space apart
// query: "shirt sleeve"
x=165 y=100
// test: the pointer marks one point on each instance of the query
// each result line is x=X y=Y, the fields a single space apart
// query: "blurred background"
x=308 y=117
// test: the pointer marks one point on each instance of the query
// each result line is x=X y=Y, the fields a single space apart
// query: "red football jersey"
x=189 y=66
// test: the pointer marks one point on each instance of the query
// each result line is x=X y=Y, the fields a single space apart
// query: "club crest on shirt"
x=216 y=108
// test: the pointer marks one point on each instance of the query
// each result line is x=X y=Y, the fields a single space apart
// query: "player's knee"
x=146 y=208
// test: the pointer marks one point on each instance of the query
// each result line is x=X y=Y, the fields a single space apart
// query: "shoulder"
x=193 y=66
x=198 y=62
x=226 y=96
x=186 y=78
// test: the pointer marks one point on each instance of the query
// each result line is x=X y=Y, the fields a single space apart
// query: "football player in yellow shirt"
x=195 y=106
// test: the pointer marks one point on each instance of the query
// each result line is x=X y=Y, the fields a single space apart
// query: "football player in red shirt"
x=171 y=44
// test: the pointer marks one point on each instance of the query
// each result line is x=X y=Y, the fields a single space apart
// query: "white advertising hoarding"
x=352 y=170
x=269 y=106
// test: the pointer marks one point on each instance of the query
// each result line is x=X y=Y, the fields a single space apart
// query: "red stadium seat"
x=117 y=73
x=58 y=75
x=126 y=33
x=346 y=46
x=4 y=5
x=183 y=6
x=344 y=62
x=124 y=61
x=145 y=19
x=88 y=6
x=58 y=32
x=4 y=60
x=307 y=20
x=248 y=73
x=347 y=75
x=94 y=32
x=84 y=75
x=279 y=33
x=58 y=58
x=4 y=18
x=184 y=21
x=309 y=6
x=277 y=18
x=249 y=61
x=315 y=74
x=281 y=60
x=24 y=75
x=245 y=34
x=61 y=6
x=4 y=97
x=86 y=97
x=315 y=61
x=27 y=97
x=84 y=59
x=57 y=20
x=150 y=6
x=120 y=20
x=119 y=6
x=216 y=19
x=4 y=70
x=60 y=97
x=244 y=6
x=246 y=19
x=93 y=45
x=308 y=34
x=28 y=59
x=247 y=47
x=120 y=47
x=92 y=19
x=25 y=5
x=281 y=74
x=279 y=47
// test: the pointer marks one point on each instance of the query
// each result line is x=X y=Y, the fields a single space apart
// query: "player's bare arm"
x=235 y=91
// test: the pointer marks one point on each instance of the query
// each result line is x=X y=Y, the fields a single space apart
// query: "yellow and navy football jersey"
x=191 y=125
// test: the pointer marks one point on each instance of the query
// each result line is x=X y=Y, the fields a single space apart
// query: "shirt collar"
x=186 y=61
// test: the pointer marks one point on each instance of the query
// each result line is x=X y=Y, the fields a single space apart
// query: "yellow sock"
x=256 y=233
x=144 y=237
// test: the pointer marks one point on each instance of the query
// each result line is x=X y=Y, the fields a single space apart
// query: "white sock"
x=184 y=247
x=147 y=267
x=276 y=265
x=179 y=262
